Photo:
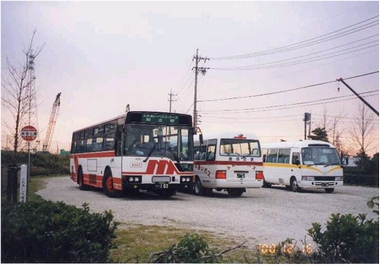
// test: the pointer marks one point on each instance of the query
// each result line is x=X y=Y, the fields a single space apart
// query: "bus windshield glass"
x=239 y=147
x=320 y=155
x=174 y=142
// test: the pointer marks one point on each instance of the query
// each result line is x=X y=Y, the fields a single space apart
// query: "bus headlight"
x=338 y=178
x=130 y=179
x=307 y=178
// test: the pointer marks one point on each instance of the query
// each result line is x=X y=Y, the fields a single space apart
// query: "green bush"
x=43 y=231
x=347 y=239
x=41 y=163
x=191 y=249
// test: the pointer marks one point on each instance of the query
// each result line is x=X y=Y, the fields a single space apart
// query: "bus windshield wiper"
x=175 y=156
x=150 y=152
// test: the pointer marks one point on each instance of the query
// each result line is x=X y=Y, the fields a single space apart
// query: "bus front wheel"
x=294 y=184
x=199 y=190
x=108 y=187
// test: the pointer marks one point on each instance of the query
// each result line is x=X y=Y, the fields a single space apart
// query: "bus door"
x=239 y=169
x=295 y=169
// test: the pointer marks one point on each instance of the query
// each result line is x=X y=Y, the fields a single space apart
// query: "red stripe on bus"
x=237 y=163
x=96 y=154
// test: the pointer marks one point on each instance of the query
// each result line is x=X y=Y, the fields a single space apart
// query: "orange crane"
x=51 y=125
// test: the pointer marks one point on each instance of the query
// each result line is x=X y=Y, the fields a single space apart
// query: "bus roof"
x=224 y=135
x=301 y=143
x=122 y=116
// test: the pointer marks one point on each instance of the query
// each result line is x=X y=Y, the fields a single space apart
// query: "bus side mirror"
x=201 y=138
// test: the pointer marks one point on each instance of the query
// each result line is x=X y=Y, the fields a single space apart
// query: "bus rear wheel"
x=329 y=190
x=108 y=188
x=81 y=184
x=294 y=185
x=235 y=192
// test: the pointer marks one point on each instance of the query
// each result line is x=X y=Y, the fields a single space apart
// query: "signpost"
x=28 y=133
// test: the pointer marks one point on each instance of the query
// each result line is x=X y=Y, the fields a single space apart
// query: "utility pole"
x=307 y=119
x=171 y=100
x=353 y=91
x=203 y=71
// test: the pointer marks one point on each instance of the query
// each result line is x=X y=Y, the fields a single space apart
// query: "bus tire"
x=294 y=185
x=329 y=190
x=81 y=184
x=234 y=193
x=266 y=184
x=108 y=185
x=198 y=188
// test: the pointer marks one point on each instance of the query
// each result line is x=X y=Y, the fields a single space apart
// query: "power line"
x=291 y=63
x=286 y=106
x=305 y=43
x=287 y=90
x=186 y=75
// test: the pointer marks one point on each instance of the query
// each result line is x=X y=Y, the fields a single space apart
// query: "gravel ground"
x=260 y=216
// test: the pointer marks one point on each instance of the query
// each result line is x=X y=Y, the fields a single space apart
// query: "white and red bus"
x=227 y=162
x=307 y=164
x=140 y=150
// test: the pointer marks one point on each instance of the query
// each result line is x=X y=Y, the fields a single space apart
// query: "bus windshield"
x=239 y=147
x=320 y=155
x=174 y=142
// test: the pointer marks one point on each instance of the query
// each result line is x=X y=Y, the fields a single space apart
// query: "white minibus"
x=227 y=163
x=307 y=164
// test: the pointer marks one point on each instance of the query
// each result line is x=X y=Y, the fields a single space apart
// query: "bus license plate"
x=162 y=185
x=240 y=175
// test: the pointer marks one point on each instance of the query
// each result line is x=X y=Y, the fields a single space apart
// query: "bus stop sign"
x=28 y=133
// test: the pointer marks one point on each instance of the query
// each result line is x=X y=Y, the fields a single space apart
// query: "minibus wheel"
x=266 y=184
x=198 y=188
x=294 y=185
x=108 y=188
x=329 y=190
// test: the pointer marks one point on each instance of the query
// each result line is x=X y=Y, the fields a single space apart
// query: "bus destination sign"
x=160 y=118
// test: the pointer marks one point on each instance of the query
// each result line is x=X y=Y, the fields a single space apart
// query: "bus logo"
x=136 y=165
x=161 y=167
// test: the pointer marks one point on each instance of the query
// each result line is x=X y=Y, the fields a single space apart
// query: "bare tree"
x=363 y=131
x=16 y=92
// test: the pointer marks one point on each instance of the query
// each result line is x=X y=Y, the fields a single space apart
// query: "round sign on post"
x=28 y=133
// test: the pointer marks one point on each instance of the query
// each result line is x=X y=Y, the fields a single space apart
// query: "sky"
x=266 y=63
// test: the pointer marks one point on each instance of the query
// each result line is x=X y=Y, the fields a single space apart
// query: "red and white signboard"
x=29 y=133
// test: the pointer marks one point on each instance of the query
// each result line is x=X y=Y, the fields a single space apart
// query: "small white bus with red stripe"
x=229 y=163
x=308 y=164
x=140 y=150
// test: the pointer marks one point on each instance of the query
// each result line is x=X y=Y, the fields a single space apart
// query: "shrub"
x=191 y=249
x=347 y=239
x=43 y=231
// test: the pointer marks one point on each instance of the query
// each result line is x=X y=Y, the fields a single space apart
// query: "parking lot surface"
x=259 y=216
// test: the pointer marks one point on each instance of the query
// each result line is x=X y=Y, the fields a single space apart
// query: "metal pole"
x=28 y=173
x=365 y=102
x=195 y=90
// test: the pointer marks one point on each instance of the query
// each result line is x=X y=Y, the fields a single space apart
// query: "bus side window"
x=211 y=152
x=296 y=158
